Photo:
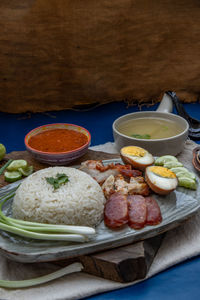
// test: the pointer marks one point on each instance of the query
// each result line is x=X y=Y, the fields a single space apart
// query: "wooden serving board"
x=123 y=264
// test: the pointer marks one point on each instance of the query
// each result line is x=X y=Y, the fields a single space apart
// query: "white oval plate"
x=176 y=207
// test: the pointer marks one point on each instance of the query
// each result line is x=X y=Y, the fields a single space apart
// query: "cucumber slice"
x=185 y=174
x=172 y=164
x=183 y=169
x=12 y=176
x=27 y=171
x=187 y=183
x=16 y=164
x=178 y=169
x=165 y=159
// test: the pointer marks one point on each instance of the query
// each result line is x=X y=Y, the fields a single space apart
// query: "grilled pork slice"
x=100 y=173
x=135 y=185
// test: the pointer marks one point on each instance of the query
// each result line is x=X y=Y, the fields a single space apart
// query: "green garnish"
x=57 y=181
x=141 y=136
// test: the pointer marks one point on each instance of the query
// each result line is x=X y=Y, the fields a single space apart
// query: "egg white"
x=144 y=160
x=163 y=183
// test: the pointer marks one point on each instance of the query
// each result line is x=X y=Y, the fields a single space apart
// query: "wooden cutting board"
x=123 y=264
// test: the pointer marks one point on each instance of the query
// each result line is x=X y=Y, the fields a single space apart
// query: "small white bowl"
x=58 y=158
x=172 y=145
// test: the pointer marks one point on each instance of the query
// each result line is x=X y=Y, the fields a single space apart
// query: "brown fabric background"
x=55 y=54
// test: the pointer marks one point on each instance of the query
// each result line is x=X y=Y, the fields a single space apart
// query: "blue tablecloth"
x=179 y=282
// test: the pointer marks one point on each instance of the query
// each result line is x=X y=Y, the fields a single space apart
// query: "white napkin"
x=184 y=243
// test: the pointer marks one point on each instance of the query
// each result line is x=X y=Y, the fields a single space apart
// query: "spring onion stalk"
x=42 y=231
x=75 y=267
x=43 y=236
x=53 y=228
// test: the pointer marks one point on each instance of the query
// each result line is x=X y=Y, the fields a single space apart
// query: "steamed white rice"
x=80 y=201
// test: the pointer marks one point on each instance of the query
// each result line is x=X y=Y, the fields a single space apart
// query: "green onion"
x=51 y=228
x=42 y=236
x=75 y=267
x=42 y=231
x=5 y=166
x=141 y=136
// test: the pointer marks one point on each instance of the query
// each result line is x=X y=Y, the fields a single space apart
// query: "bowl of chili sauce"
x=58 y=144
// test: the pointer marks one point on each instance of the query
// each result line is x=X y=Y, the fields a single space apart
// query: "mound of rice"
x=80 y=201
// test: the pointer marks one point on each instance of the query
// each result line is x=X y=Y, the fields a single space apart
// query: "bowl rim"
x=152 y=140
x=57 y=153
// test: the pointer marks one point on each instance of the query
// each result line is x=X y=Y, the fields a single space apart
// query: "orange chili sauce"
x=58 y=140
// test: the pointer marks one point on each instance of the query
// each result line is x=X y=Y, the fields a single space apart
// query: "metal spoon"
x=194 y=124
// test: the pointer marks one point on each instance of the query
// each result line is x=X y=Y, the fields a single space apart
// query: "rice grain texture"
x=80 y=201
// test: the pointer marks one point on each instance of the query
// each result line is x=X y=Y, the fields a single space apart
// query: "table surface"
x=180 y=281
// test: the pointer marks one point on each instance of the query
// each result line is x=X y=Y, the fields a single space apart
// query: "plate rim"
x=86 y=248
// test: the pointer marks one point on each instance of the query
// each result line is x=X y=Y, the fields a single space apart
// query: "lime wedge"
x=16 y=164
x=26 y=171
x=2 y=151
x=12 y=176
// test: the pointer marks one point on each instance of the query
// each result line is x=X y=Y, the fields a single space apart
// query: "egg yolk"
x=134 y=151
x=163 y=172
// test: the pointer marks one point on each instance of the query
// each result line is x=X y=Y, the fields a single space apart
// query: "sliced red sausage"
x=116 y=210
x=154 y=216
x=137 y=211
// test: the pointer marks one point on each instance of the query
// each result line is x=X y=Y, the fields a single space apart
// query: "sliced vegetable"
x=183 y=169
x=5 y=166
x=187 y=183
x=185 y=174
x=172 y=164
x=186 y=178
x=165 y=159
x=16 y=169
x=16 y=164
x=12 y=176
x=27 y=171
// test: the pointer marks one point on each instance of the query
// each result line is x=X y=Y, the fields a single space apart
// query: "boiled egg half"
x=161 y=180
x=138 y=157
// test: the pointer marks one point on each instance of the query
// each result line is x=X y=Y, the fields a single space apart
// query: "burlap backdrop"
x=55 y=54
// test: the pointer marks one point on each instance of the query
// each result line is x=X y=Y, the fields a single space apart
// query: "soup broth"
x=150 y=128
